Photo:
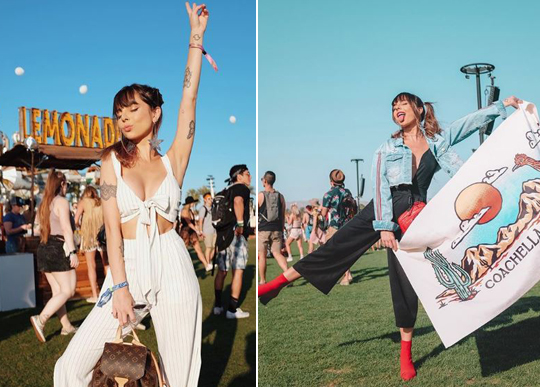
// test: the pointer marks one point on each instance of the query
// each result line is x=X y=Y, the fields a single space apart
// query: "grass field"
x=348 y=338
x=228 y=351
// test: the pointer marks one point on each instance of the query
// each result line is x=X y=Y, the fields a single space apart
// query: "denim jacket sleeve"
x=382 y=197
x=461 y=129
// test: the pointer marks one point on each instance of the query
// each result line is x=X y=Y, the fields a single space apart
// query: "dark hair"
x=235 y=171
x=206 y=194
x=423 y=111
x=125 y=149
x=270 y=177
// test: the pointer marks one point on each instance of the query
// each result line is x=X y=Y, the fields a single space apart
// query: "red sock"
x=407 y=367
x=271 y=289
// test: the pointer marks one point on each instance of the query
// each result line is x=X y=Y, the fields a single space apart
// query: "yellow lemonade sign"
x=52 y=127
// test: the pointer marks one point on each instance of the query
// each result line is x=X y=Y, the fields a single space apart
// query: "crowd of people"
x=313 y=224
x=73 y=228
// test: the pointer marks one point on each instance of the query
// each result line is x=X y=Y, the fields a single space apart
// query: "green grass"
x=228 y=351
x=349 y=338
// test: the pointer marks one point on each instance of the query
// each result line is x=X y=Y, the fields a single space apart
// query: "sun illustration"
x=472 y=199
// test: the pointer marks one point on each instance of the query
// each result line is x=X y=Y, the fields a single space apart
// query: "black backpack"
x=223 y=218
x=348 y=207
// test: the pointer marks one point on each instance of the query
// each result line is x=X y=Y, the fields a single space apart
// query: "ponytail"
x=431 y=125
x=424 y=112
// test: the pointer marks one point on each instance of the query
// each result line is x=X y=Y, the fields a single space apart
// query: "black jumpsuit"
x=325 y=266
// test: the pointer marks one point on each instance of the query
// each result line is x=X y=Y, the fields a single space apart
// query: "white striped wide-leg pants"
x=177 y=318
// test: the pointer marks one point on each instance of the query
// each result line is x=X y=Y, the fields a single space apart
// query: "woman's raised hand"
x=388 y=239
x=198 y=17
x=512 y=101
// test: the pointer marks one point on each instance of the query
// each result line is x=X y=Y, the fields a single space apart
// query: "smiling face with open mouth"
x=404 y=113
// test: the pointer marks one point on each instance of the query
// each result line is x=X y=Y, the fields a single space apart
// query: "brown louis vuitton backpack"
x=124 y=364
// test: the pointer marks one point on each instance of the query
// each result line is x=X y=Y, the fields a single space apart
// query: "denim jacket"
x=392 y=163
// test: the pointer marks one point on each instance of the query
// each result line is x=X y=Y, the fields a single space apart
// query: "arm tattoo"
x=122 y=248
x=191 y=129
x=108 y=191
x=197 y=37
x=187 y=78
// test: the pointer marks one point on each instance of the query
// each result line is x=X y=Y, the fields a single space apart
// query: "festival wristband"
x=207 y=55
x=106 y=297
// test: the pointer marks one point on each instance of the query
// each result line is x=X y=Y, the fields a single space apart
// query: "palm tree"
x=197 y=193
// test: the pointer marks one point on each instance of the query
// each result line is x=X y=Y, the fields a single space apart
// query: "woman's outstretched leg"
x=405 y=303
x=325 y=266
x=271 y=289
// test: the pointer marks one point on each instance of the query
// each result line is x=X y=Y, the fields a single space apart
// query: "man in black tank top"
x=271 y=224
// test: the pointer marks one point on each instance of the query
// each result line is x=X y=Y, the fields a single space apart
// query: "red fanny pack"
x=408 y=216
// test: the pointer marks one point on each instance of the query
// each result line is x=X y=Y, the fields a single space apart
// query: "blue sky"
x=109 y=44
x=328 y=73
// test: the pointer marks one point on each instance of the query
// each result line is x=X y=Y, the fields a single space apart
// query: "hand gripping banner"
x=475 y=248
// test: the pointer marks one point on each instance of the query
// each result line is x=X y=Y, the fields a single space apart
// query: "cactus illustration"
x=449 y=275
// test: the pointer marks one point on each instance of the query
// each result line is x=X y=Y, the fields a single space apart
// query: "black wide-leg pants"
x=325 y=266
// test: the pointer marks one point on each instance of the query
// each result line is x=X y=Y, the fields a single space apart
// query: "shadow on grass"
x=250 y=377
x=506 y=347
x=367 y=274
x=216 y=355
x=393 y=336
x=17 y=321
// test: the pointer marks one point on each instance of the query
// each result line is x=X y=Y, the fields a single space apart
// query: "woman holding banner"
x=402 y=171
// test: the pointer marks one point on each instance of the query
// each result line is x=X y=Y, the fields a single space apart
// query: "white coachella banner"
x=475 y=248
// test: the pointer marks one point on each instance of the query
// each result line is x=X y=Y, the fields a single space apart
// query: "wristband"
x=240 y=223
x=207 y=55
x=73 y=252
x=106 y=297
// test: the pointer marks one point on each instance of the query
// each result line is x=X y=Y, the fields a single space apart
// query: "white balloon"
x=232 y=119
x=83 y=89
x=19 y=71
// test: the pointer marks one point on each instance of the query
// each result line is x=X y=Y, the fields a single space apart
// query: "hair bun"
x=157 y=96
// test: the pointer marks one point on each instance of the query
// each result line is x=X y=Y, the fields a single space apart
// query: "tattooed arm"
x=122 y=299
x=185 y=132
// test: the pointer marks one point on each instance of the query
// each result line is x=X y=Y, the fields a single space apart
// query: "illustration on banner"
x=483 y=266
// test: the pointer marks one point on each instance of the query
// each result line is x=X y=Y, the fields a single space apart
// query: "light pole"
x=477 y=69
x=210 y=180
x=358 y=179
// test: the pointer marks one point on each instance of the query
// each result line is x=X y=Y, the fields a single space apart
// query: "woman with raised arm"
x=149 y=263
x=403 y=168
x=58 y=265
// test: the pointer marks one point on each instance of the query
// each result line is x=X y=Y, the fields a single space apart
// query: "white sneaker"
x=209 y=267
x=38 y=328
x=238 y=314
x=289 y=259
x=140 y=327
x=65 y=332
x=218 y=310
